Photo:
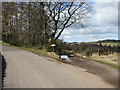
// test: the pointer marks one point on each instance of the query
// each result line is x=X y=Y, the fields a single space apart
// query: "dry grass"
x=107 y=44
x=113 y=58
x=41 y=52
x=111 y=44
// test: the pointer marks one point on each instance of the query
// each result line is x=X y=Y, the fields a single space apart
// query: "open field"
x=103 y=43
x=111 y=44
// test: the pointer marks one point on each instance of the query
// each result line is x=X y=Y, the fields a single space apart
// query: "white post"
x=53 y=45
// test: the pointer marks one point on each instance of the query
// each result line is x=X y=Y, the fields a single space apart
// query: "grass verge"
x=114 y=65
x=35 y=51
x=107 y=63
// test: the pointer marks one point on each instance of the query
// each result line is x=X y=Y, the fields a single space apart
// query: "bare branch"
x=65 y=14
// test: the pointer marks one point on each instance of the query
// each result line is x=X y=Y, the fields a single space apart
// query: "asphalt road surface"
x=27 y=70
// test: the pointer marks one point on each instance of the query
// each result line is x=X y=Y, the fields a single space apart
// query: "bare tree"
x=64 y=14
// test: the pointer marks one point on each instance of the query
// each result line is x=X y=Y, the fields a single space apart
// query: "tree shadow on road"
x=4 y=66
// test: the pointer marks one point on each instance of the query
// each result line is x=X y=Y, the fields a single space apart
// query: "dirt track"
x=106 y=72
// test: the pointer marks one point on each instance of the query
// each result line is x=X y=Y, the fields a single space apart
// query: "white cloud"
x=82 y=31
x=102 y=25
x=66 y=32
x=66 y=37
x=105 y=13
x=105 y=0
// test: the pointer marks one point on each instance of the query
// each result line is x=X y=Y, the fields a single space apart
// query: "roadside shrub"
x=88 y=52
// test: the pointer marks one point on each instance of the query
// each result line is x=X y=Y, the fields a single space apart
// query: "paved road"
x=27 y=70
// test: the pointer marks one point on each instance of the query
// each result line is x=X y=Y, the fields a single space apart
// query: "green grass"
x=6 y=44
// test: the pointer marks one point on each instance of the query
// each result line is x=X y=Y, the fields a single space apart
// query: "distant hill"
x=109 y=41
x=106 y=42
x=100 y=41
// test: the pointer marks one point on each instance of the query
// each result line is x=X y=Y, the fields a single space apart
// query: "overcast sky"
x=103 y=24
